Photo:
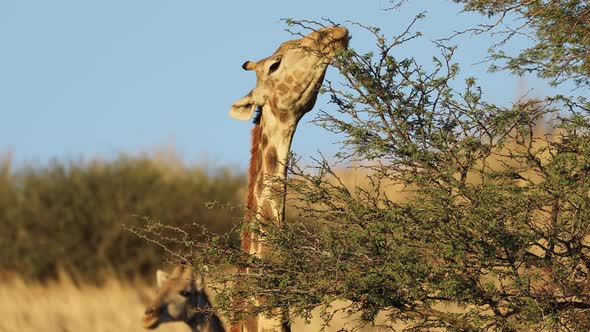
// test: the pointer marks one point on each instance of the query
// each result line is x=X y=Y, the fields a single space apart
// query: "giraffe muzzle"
x=151 y=318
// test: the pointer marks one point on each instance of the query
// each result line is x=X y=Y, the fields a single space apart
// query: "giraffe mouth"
x=340 y=33
x=335 y=36
x=151 y=321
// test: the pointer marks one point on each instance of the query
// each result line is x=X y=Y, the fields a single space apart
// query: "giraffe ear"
x=249 y=65
x=199 y=283
x=243 y=108
x=161 y=278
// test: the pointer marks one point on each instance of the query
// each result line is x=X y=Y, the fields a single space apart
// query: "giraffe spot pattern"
x=271 y=160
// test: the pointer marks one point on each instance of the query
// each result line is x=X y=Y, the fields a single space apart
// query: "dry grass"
x=116 y=306
x=63 y=307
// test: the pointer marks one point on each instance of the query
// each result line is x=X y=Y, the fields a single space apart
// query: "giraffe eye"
x=274 y=66
x=184 y=293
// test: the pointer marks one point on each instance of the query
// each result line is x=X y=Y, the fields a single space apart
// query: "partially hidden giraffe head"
x=180 y=298
x=288 y=81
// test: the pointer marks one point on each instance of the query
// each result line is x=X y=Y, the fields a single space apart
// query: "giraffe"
x=287 y=85
x=181 y=298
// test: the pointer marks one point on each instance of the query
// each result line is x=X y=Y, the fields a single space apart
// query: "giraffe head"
x=288 y=80
x=180 y=298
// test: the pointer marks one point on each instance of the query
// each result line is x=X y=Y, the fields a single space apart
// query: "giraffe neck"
x=271 y=145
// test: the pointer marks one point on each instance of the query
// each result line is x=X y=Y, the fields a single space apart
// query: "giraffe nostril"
x=149 y=311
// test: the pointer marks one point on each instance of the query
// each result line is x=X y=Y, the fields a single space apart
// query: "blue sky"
x=95 y=78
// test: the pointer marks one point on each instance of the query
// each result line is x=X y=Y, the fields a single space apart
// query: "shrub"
x=69 y=214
